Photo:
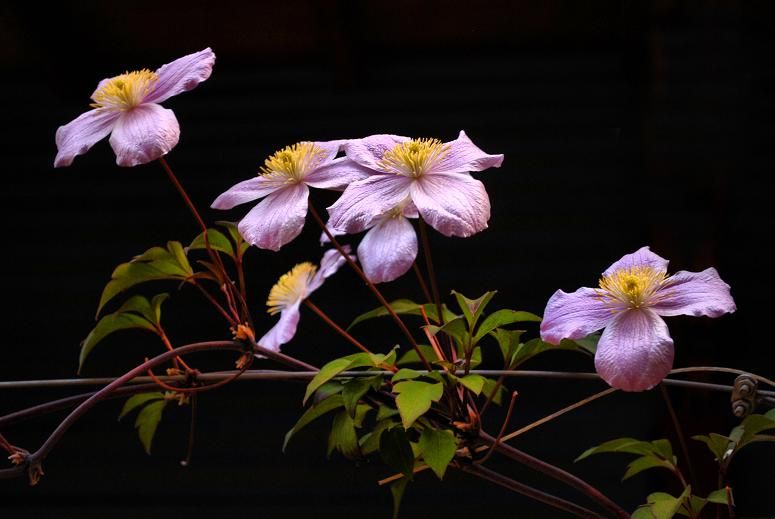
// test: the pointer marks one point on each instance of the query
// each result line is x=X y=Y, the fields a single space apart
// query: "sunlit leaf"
x=644 y=463
x=473 y=308
x=475 y=383
x=720 y=496
x=217 y=241
x=135 y=401
x=415 y=398
x=438 y=448
x=401 y=307
x=628 y=445
x=405 y=374
x=411 y=357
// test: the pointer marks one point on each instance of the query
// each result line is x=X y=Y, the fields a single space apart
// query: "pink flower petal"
x=76 y=137
x=332 y=261
x=337 y=174
x=277 y=219
x=247 y=191
x=388 y=250
x=455 y=204
x=643 y=257
x=694 y=293
x=365 y=199
x=181 y=75
x=332 y=148
x=369 y=151
x=144 y=134
x=574 y=316
x=282 y=332
x=463 y=156
x=635 y=351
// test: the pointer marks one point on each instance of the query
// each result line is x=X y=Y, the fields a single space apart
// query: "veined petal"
x=331 y=262
x=369 y=151
x=574 y=316
x=365 y=199
x=694 y=293
x=282 y=332
x=643 y=257
x=277 y=219
x=331 y=148
x=76 y=137
x=144 y=134
x=635 y=351
x=388 y=249
x=181 y=75
x=337 y=174
x=455 y=204
x=247 y=191
x=463 y=156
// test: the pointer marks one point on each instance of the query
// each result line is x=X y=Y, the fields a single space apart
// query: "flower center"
x=633 y=287
x=126 y=91
x=413 y=158
x=291 y=287
x=292 y=163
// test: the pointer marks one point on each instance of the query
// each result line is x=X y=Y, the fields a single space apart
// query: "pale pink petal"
x=574 y=316
x=455 y=204
x=277 y=219
x=282 y=332
x=463 y=156
x=368 y=151
x=388 y=250
x=144 y=134
x=181 y=75
x=332 y=148
x=635 y=351
x=331 y=262
x=334 y=232
x=76 y=137
x=694 y=293
x=365 y=199
x=337 y=174
x=247 y=191
x=643 y=257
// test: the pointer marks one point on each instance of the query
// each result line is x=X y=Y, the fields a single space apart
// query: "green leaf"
x=508 y=342
x=401 y=307
x=343 y=437
x=718 y=444
x=397 y=489
x=386 y=412
x=231 y=228
x=135 y=401
x=106 y=326
x=473 y=382
x=456 y=328
x=664 y=450
x=147 y=421
x=644 y=463
x=490 y=391
x=665 y=506
x=752 y=425
x=501 y=318
x=396 y=451
x=217 y=241
x=369 y=442
x=353 y=390
x=588 y=344
x=313 y=413
x=336 y=366
x=473 y=308
x=405 y=374
x=438 y=448
x=719 y=496
x=415 y=398
x=156 y=263
x=411 y=357
x=629 y=445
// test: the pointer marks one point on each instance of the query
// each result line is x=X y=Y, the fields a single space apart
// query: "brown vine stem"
x=338 y=329
x=718 y=369
x=369 y=284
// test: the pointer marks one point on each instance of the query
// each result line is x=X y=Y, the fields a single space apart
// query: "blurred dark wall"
x=623 y=124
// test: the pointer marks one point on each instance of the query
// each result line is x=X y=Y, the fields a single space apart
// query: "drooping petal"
x=365 y=199
x=369 y=151
x=331 y=262
x=455 y=204
x=282 y=332
x=337 y=174
x=144 y=134
x=463 y=156
x=76 y=137
x=247 y=191
x=388 y=250
x=643 y=257
x=694 y=293
x=635 y=351
x=574 y=316
x=181 y=75
x=277 y=219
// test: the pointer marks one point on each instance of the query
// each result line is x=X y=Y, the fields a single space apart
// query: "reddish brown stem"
x=320 y=313
x=216 y=304
x=421 y=282
x=503 y=429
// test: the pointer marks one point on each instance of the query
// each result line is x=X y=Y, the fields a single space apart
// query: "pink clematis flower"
x=389 y=249
x=127 y=107
x=292 y=288
x=433 y=175
x=283 y=180
x=635 y=351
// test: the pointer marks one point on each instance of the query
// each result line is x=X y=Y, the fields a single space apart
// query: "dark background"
x=623 y=124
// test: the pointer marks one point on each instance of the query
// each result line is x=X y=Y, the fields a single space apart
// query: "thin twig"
x=503 y=429
x=421 y=282
x=338 y=329
x=681 y=438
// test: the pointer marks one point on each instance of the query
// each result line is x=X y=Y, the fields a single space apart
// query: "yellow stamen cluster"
x=126 y=91
x=294 y=162
x=633 y=287
x=413 y=158
x=291 y=287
